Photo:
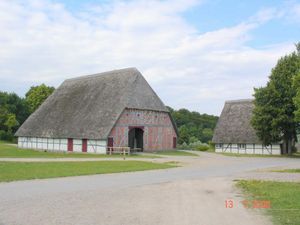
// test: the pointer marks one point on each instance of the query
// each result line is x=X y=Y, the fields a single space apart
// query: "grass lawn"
x=295 y=155
x=287 y=171
x=176 y=153
x=8 y=150
x=283 y=196
x=12 y=171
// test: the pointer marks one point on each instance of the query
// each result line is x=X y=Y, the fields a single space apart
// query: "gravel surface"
x=192 y=194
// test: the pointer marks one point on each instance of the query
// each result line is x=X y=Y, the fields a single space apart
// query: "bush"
x=183 y=146
x=202 y=148
x=7 y=136
x=195 y=144
x=193 y=139
x=198 y=146
x=211 y=145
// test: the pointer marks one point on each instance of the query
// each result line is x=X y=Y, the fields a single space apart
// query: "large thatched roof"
x=89 y=106
x=234 y=123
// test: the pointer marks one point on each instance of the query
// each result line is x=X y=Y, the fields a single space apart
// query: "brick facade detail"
x=159 y=131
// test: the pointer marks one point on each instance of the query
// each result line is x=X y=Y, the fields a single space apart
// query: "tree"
x=37 y=95
x=296 y=85
x=13 y=112
x=183 y=134
x=193 y=139
x=274 y=111
x=207 y=134
x=193 y=125
x=11 y=122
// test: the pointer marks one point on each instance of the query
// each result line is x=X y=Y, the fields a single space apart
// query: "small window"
x=219 y=145
x=242 y=146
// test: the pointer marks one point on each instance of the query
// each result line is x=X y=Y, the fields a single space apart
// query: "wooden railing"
x=120 y=150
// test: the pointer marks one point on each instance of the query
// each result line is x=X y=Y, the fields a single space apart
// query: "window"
x=241 y=146
x=219 y=145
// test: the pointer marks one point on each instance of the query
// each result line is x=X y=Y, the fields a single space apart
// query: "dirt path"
x=171 y=203
x=192 y=194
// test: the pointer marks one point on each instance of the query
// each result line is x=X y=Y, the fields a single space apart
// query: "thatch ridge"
x=234 y=123
x=89 y=106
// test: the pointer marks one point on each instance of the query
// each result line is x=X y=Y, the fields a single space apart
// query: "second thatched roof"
x=234 y=123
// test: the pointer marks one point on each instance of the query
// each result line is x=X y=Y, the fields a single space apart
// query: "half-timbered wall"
x=158 y=129
x=56 y=144
x=273 y=149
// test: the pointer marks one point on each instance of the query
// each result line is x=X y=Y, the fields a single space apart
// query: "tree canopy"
x=193 y=126
x=274 y=112
x=37 y=95
x=296 y=85
x=14 y=110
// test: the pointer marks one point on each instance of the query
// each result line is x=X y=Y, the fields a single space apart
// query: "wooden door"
x=84 y=145
x=70 y=144
x=110 y=142
x=174 y=142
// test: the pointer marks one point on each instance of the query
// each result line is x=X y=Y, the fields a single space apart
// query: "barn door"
x=70 y=144
x=110 y=143
x=174 y=142
x=84 y=145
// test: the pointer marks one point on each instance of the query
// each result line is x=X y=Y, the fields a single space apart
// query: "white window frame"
x=242 y=146
x=219 y=145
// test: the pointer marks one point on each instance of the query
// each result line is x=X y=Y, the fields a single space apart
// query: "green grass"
x=283 y=196
x=13 y=171
x=8 y=150
x=287 y=171
x=295 y=155
x=176 y=153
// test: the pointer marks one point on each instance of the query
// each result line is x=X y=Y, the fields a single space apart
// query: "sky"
x=195 y=54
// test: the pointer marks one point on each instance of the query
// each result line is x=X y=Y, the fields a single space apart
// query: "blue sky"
x=212 y=15
x=195 y=54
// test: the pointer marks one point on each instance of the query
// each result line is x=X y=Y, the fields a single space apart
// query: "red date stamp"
x=229 y=204
x=254 y=204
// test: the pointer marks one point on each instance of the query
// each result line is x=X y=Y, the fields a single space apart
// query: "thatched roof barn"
x=234 y=132
x=91 y=108
x=234 y=123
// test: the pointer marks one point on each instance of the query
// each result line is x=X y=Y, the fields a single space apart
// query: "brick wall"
x=158 y=129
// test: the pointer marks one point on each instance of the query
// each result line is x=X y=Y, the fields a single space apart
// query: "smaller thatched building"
x=234 y=133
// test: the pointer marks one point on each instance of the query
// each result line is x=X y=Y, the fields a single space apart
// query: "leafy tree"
x=296 y=85
x=193 y=139
x=13 y=112
x=11 y=122
x=193 y=125
x=183 y=134
x=273 y=115
x=37 y=95
x=207 y=134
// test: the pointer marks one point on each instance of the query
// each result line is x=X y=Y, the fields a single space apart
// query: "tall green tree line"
x=14 y=110
x=193 y=126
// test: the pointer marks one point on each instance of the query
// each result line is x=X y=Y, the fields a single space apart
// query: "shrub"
x=211 y=145
x=202 y=148
x=7 y=136
x=198 y=146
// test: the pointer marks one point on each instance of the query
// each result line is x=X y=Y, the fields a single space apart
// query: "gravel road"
x=192 y=194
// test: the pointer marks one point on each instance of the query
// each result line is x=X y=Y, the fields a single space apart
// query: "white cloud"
x=42 y=41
